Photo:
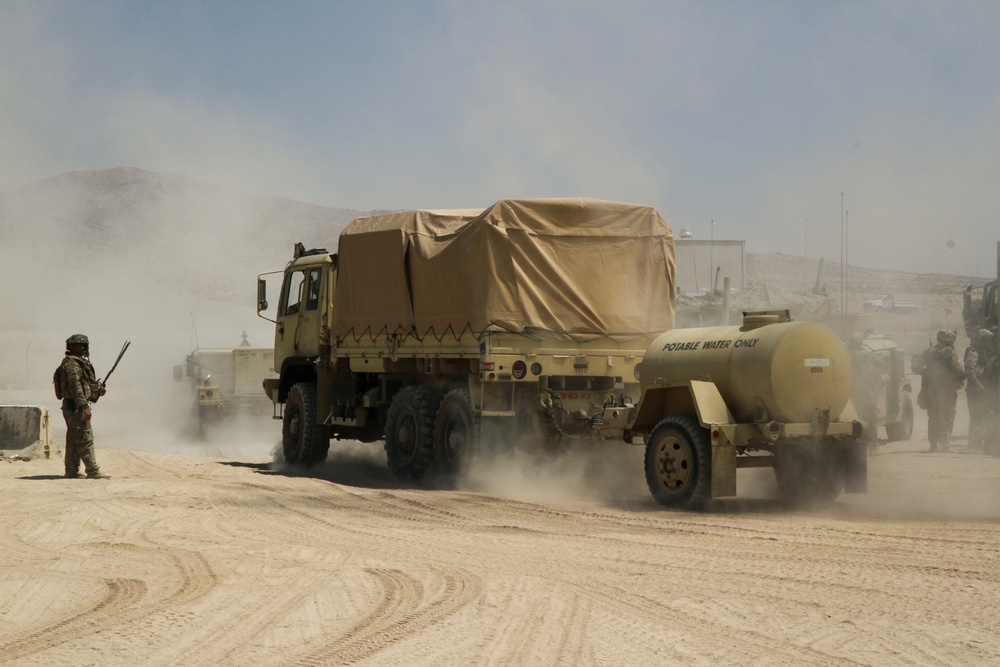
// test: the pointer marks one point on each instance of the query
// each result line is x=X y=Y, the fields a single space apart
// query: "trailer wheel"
x=456 y=430
x=303 y=440
x=810 y=474
x=679 y=463
x=903 y=429
x=409 y=431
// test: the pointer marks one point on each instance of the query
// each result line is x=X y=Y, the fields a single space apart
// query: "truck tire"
x=303 y=440
x=409 y=431
x=679 y=463
x=903 y=429
x=809 y=474
x=456 y=431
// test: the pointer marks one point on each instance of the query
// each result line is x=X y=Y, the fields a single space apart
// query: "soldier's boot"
x=934 y=448
x=71 y=474
x=90 y=462
x=945 y=446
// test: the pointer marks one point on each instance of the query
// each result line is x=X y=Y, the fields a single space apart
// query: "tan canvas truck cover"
x=581 y=269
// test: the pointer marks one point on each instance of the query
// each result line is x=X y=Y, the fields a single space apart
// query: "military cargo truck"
x=438 y=331
x=226 y=382
x=768 y=393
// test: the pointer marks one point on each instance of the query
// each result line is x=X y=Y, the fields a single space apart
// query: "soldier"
x=942 y=376
x=981 y=372
x=79 y=388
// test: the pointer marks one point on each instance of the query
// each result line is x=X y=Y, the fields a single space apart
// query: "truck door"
x=297 y=333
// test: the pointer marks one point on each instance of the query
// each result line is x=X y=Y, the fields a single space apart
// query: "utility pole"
x=843 y=332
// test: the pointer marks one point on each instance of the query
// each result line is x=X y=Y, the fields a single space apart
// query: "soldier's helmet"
x=946 y=337
x=985 y=335
x=77 y=339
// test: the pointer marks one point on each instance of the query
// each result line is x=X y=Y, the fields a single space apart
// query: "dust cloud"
x=164 y=261
x=602 y=473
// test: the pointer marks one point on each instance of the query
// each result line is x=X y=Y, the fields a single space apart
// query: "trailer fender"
x=711 y=407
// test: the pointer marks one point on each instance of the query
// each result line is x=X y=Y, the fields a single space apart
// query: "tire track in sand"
x=402 y=612
x=121 y=596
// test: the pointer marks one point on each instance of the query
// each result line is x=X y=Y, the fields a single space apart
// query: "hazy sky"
x=740 y=120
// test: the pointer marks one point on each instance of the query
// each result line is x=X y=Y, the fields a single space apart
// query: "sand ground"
x=187 y=559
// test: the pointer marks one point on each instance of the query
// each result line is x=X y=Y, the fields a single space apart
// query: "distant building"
x=699 y=260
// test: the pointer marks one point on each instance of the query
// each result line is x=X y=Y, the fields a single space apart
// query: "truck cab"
x=304 y=305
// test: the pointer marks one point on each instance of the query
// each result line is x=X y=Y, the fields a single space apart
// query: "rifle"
x=121 y=354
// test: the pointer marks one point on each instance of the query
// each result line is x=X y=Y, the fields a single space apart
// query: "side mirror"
x=261 y=295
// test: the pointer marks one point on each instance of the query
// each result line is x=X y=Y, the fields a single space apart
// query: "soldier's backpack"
x=57 y=381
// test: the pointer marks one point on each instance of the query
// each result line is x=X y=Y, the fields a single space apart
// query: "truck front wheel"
x=302 y=439
x=679 y=463
x=409 y=431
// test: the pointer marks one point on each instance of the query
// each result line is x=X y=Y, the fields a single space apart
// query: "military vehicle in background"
x=979 y=309
x=893 y=304
x=881 y=391
x=768 y=393
x=226 y=382
x=442 y=330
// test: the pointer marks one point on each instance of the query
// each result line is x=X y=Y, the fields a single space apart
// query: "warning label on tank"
x=817 y=363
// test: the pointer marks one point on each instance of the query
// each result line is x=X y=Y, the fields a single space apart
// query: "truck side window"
x=312 y=291
x=293 y=292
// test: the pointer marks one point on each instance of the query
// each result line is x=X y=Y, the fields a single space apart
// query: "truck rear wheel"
x=302 y=439
x=456 y=430
x=409 y=431
x=903 y=429
x=810 y=474
x=679 y=463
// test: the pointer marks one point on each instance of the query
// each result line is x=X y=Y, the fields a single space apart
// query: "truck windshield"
x=292 y=294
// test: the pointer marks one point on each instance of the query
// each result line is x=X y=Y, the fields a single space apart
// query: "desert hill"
x=126 y=216
x=164 y=259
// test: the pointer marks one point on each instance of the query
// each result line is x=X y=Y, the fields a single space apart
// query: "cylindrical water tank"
x=781 y=372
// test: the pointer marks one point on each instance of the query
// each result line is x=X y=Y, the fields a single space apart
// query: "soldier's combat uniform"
x=80 y=388
x=942 y=378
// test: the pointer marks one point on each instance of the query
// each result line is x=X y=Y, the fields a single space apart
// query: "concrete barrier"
x=25 y=430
